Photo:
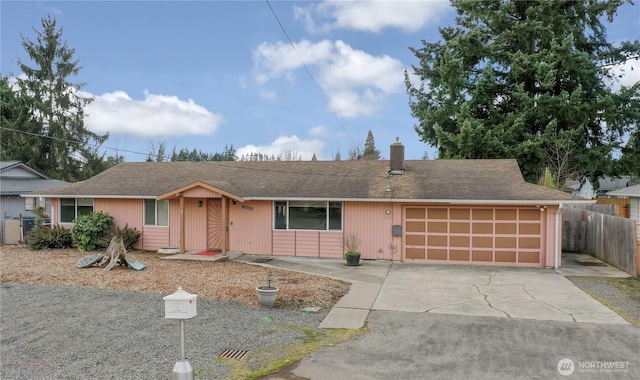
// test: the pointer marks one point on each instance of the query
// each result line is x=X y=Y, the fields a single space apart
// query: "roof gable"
x=17 y=169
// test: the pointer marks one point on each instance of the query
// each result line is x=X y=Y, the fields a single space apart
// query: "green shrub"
x=42 y=237
x=89 y=230
x=130 y=237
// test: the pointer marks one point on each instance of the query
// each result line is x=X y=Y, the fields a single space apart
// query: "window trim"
x=287 y=205
x=75 y=208
x=155 y=213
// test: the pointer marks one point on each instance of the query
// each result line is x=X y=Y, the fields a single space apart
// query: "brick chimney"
x=396 y=157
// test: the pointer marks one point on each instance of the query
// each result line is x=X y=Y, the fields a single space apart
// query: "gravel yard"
x=62 y=322
x=214 y=280
x=621 y=295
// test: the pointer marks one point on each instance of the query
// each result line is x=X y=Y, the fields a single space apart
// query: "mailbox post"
x=181 y=305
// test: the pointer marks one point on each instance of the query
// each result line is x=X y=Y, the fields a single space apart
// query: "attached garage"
x=474 y=235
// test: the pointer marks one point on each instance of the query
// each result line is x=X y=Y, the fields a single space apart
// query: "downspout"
x=558 y=237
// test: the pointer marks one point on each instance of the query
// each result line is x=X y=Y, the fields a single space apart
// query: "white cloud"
x=355 y=83
x=319 y=131
x=305 y=149
x=370 y=16
x=155 y=115
x=626 y=74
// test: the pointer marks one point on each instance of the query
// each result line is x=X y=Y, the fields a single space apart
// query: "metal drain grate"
x=233 y=354
x=262 y=260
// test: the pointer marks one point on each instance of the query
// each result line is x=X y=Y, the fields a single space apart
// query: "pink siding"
x=284 y=243
x=308 y=243
x=250 y=227
x=155 y=238
x=371 y=222
x=330 y=244
x=124 y=212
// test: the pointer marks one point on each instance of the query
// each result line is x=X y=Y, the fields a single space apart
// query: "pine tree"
x=511 y=76
x=370 y=152
x=56 y=108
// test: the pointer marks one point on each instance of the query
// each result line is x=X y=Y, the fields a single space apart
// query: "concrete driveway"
x=541 y=294
x=505 y=292
x=453 y=322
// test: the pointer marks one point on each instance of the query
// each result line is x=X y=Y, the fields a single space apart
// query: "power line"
x=236 y=164
x=309 y=72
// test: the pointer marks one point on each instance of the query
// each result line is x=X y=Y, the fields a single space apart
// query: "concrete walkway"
x=522 y=293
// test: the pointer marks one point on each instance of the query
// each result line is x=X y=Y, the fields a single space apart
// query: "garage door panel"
x=435 y=240
x=529 y=243
x=482 y=256
x=458 y=255
x=415 y=239
x=437 y=254
x=415 y=213
x=460 y=214
x=506 y=229
x=509 y=214
x=437 y=227
x=474 y=234
x=506 y=256
x=482 y=242
x=529 y=257
x=529 y=214
x=415 y=226
x=459 y=241
x=438 y=213
x=459 y=228
x=529 y=228
x=482 y=228
x=505 y=242
x=415 y=253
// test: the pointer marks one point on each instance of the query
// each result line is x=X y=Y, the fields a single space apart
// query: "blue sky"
x=206 y=74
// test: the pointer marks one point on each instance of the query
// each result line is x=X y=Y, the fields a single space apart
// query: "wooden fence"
x=609 y=238
x=621 y=205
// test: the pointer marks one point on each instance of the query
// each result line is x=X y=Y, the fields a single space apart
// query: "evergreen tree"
x=512 y=76
x=370 y=151
x=17 y=134
x=338 y=156
x=314 y=158
x=56 y=109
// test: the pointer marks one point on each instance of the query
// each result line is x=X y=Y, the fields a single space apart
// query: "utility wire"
x=236 y=164
x=309 y=72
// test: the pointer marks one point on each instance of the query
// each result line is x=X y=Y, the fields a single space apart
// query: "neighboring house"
x=582 y=188
x=607 y=184
x=440 y=211
x=16 y=179
x=633 y=193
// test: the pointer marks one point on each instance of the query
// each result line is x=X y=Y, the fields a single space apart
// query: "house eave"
x=101 y=196
x=522 y=202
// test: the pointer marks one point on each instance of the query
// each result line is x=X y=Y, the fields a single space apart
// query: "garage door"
x=511 y=236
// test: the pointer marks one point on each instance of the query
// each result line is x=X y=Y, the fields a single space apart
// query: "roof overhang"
x=522 y=202
x=179 y=191
x=101 y=196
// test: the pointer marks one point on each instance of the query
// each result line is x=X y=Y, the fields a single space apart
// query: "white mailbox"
x=180 y=305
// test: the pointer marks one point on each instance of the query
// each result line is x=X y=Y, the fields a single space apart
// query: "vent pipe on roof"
x=396 y=158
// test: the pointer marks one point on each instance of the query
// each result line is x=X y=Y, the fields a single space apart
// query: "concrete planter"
x=267 y=295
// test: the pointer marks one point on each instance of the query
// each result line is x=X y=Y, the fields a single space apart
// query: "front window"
x=71 y=208
x=308 y=215
x=156 y=213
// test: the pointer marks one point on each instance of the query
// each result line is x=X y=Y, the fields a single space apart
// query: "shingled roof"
x=423 y=180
